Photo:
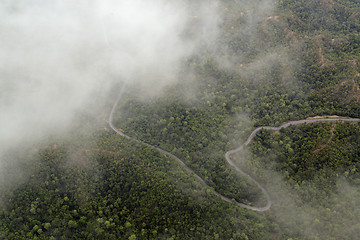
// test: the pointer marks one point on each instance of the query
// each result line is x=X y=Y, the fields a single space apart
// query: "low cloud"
x=56 y=55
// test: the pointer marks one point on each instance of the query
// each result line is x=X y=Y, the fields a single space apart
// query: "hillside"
x=272 y=62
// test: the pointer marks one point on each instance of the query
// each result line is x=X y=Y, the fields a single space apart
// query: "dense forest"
x=101 y=186
x=297 y=60
x=320 y=163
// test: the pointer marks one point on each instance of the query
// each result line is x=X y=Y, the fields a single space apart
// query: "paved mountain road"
x=227 y=154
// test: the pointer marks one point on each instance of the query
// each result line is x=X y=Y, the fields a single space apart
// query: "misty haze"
x=227 y=119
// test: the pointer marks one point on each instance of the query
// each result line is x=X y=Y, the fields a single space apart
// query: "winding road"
x=227 y=154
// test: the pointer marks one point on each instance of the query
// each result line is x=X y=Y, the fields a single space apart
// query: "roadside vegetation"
x=298 y=62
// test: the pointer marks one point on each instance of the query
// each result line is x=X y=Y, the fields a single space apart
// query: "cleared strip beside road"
x=227 y=154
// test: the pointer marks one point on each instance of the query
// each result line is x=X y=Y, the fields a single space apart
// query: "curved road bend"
x=227 y=154
x=252 y=135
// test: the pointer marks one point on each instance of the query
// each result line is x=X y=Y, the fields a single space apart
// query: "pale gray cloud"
x=55 y=54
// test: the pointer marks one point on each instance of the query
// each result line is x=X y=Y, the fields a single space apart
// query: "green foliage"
x=321 y=163
x=111 y=188
x=322 y=150
x=315 y=16
x=265 y=70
